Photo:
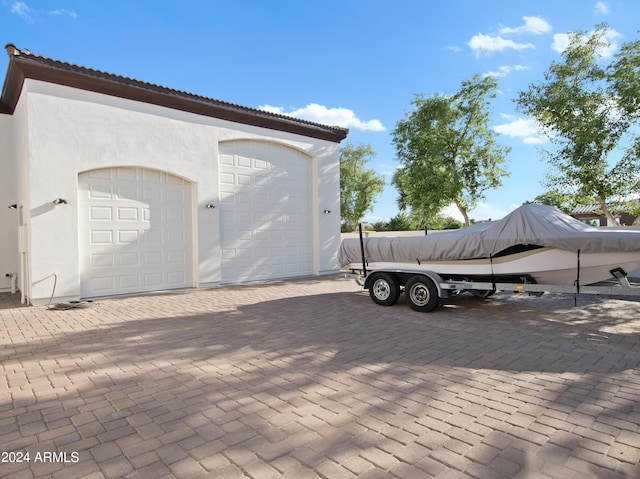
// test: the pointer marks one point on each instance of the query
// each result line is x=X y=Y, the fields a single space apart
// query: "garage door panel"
x=227 y=179
x=101 y=237
x=129 y=259
x=100 y=192
x=151 y=195
x=102 y=284
x=151 y=237
x=244 y=180
x=153 y=280
x=127 y=236
x=243 y=162
x=175 y=236
x=151 y=176
x=101 y=213
x=124 y=174
x=261 y=235
x=102 y=260
x=137 y=239
x=176 y=278
x=152 y=258
x=102 y=173
x=127 y=214
x=175 y=193
x=129 y=282
x=174 y=215
x=227 y=197
x=265 y=190
x=125 y=192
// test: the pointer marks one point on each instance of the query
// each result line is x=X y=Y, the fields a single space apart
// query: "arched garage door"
x=135 y=231
x=265 y=211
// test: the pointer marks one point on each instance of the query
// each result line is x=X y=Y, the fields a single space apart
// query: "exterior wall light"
x=60 y=201
x=326 y=212
x=209 y=206
x=13 y=206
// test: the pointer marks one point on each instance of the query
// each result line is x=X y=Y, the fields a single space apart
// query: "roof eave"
x=22 y=67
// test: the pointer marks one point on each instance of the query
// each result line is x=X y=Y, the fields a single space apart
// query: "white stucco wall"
x=8 y=195
x=71 y=131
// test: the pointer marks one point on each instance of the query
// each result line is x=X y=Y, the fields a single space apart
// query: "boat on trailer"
x=534 y=249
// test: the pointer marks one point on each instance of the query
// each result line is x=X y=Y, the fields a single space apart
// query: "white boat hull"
x=544 y=265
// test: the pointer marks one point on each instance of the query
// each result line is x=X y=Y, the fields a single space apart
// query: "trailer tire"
x=384 y=289
x=422 y=294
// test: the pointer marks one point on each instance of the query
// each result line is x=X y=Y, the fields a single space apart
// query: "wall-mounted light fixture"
x=13 y=206
x=326 y=212
x=209 y=206
x=60 y=201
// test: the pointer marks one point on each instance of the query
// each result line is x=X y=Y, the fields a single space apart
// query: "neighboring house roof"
x=593 y=209
x=24 y=64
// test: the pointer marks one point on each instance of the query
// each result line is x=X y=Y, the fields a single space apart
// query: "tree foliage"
x=585 y=108
x=448 y=153
x=400 y=222
x=404 y=222
x=358 y=186
x=562 y=200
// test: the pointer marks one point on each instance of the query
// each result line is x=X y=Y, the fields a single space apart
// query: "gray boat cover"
x=531 y=224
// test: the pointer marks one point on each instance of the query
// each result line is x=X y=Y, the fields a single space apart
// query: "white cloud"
x=22 y=10
x=342 y=117
x=481 y=43
x=562 y=40
x=602 y=8
x=65 y=13
x=526 y=129
x=28 y=14
x=532 y=25
x=504 y=70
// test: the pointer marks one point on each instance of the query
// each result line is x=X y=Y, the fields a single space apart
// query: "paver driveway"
x=309 y=378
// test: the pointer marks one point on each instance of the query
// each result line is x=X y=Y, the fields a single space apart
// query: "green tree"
x=358 y=186
x=586 y=108
x=562 y=200
x=400 y=222
x=446 y=223
x=447 y=151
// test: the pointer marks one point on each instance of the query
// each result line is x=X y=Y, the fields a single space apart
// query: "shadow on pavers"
x=276 y=355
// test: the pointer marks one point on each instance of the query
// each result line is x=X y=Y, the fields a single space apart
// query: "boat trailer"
x=424 y=289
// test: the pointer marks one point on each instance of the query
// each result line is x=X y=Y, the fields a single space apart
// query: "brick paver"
x=309 y=378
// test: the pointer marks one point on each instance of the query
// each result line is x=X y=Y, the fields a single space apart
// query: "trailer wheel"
x=422 y=294
x=384 y=289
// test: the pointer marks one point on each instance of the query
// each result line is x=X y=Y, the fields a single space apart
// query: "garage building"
x=112 y=186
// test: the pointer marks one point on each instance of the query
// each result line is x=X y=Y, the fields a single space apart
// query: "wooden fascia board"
x=20 y=69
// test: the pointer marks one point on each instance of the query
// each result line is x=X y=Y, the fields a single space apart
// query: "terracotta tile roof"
x=586 y=209
x=24 y=64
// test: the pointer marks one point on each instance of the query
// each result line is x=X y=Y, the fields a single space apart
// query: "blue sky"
x=351 y=63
